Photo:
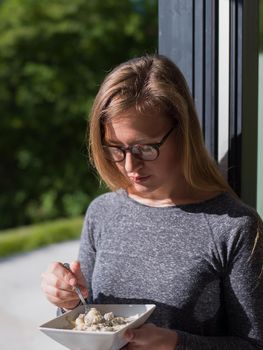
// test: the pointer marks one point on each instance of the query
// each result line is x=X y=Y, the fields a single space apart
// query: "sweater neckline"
x=201 y=203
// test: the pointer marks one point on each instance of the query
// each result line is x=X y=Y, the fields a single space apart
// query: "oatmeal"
x=95 y=321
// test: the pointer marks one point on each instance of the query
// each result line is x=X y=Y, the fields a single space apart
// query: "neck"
x=185 y=195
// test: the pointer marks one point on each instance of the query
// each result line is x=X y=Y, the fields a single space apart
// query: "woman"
x=171 y=232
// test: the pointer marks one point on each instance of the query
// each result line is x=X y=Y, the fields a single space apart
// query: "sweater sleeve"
x=87 y=251
x=242 y=293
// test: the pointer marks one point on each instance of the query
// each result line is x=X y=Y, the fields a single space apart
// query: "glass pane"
x=260 y=115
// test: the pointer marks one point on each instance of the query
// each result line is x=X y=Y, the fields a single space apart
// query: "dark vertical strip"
x=239 y=72
x=211 y=76
x=198 y=60
x=216 y=72
x=235 y=95
x=250 y=101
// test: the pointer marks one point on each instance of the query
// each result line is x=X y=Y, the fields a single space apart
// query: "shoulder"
x=232 y=222
x=105 y=203
x=101 y=209
x=230 y=210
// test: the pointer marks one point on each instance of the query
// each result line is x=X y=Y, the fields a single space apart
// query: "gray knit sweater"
x=193 y=261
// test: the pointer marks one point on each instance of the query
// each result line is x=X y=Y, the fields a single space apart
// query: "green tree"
x=53 y=56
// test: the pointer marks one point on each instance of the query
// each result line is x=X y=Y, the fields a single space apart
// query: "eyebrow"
x=137 y=142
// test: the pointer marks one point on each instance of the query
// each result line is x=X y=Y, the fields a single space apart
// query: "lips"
x=139 y=179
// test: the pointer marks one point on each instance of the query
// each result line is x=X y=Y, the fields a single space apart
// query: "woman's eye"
x=146 y=148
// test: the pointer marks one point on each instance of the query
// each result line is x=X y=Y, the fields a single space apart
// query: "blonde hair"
x=148 y=84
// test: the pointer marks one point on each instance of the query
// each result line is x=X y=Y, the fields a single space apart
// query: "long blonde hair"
x=150 y=83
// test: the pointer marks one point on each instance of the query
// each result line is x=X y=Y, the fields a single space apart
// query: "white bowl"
x=60 y=328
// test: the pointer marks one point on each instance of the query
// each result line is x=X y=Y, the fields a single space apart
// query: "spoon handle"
x=77 y=290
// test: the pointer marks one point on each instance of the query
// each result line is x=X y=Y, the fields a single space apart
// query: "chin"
x=143 y=190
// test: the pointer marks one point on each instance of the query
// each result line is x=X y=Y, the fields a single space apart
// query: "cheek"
x=172 y=154
x=169 y=162
x=120 y=167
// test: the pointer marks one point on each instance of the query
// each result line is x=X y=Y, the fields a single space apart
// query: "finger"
x=54 y=281
x=49 y=280
x=59 y=293
x=75 y=268
x=68 y=303
x=60 y=271
x=61 y=298
x=138 y=335
x=128 y=334
x=71 y=304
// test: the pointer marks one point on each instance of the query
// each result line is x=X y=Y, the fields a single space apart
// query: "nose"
x=131 y=163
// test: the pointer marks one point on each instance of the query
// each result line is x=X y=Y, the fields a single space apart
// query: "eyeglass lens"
x=143 y=152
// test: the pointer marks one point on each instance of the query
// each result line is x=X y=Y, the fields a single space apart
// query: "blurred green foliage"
x=27 y=238
x=53 y=56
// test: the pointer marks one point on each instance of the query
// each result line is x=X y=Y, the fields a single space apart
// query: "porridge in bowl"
x=95 y=321
x=61 y=329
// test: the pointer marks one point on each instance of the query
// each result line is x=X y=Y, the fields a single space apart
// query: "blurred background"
x=53 y=56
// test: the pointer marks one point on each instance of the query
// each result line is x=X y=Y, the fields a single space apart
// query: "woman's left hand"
x=150 y=337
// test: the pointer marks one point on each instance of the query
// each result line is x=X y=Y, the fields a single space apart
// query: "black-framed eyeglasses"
x=144 y=152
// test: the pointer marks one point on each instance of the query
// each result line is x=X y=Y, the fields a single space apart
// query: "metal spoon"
x=77 y=290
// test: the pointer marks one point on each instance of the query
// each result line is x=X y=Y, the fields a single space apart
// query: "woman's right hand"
x=58 y=283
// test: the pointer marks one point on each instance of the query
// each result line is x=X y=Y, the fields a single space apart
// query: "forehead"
x=132 y=124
